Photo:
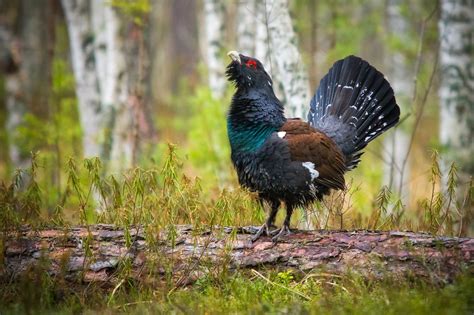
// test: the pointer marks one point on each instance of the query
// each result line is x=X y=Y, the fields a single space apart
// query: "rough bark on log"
x=99 y=252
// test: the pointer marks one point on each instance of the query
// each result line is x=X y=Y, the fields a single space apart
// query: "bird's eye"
x=251 y=64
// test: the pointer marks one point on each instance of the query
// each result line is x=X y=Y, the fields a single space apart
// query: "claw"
x=263 y=229
x=284 y=231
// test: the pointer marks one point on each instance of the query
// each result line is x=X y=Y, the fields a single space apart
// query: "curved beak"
x=235 y=56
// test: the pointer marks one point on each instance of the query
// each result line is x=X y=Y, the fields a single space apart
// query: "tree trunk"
x=247 y=27
x=456 y=92
x=114 y=86
x=28 y=77
x=36 y=49
x=265 y=30
x=290 y=74
x=396 y=143
x=313 y=43
x=82 y=46
x=139 y=99
x=110 y=95
x=15 y=108
x=183 y=42
x=94 y=253
x=263 y=50
x=214 y=31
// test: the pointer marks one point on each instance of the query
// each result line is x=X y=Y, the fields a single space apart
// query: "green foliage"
x=208 y=148
x=268 y=293
x=162 y=196
x=134 y=9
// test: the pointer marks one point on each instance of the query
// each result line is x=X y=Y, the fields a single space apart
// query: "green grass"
x=164 y=195
x=246 y=293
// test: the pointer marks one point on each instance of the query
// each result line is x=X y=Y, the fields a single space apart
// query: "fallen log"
x=104 y=253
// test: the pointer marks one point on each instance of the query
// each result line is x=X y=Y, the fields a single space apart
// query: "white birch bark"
x=262 y=42
x=246 y=27
x=84 y=63
x=214 y=31
x=456 y=92
x=265 y=31
x=289 y=73
x=399 y=76
x=101 y=81
x=112 y=74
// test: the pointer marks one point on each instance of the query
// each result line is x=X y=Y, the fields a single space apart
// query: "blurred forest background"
x=121 y=79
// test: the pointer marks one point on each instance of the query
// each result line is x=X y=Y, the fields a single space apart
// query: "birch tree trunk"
x=290 y=74
x=399 y=75
x=247 y=27
x=456 y=31
x=84 y=62
x=113 y=85
x=263 y=44
x=214 y=31
x=265 y=30
x=252 y=35
x=102 y=82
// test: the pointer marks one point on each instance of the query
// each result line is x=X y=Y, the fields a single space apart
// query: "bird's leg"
x=265 y=228
x=285 y=229
x=271 y=218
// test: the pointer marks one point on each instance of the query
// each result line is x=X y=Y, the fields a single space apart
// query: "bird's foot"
x=284 y=231
x=264 y=229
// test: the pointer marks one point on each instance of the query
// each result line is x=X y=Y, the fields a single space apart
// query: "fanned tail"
x=353 y=105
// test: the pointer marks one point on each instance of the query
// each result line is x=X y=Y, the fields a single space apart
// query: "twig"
x=420 y=111
x=418 y=118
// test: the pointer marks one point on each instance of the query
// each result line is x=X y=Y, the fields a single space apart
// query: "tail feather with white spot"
x=353 y=105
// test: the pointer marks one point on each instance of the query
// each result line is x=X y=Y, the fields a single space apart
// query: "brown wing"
x=310 y=145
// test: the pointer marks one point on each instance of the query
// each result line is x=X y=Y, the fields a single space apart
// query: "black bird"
x=293 y=161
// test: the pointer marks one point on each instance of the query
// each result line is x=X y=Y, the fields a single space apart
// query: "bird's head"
x=247 y=72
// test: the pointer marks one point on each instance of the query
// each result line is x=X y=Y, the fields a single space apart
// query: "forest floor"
x=245 y=293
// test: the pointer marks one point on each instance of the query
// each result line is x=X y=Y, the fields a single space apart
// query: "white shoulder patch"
x=281 y=134
x=312 y=171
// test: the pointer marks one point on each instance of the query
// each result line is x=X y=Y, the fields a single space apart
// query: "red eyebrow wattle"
x=251 y=64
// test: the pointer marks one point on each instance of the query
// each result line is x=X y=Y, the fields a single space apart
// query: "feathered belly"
x=288 y=182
